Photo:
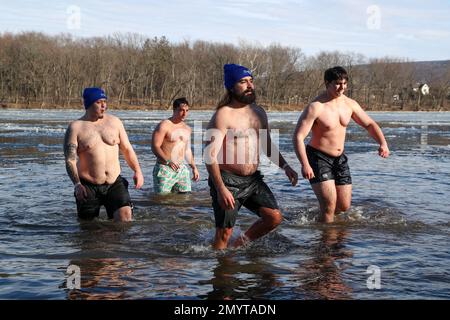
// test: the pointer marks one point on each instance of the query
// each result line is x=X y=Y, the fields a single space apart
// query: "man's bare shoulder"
x=112 y=118
x=353 y=104
x=260 y=112
x=316 y=104
x=165 y=124
x=315 y=107
x=75 y=125
x=350 y=100
x=222 y=116
x=223 y=111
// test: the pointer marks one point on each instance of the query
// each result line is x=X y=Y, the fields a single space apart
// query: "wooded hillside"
x=37 y=70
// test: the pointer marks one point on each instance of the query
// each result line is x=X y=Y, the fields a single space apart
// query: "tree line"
x=37 y=70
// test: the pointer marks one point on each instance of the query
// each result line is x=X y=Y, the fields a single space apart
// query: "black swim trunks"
x=249 y=191
x=112 y=196
x=326 y=167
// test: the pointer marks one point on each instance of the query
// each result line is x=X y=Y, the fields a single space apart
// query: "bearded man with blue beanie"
x=91 y=149
x=232 y=160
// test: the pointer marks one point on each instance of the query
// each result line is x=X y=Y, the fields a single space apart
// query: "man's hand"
x=80 y=192
x=225 y=198
x=291 y=174
x=195 y=175
x=383 y=151
x=138 y=179
x=175 y=166
x=307 y=172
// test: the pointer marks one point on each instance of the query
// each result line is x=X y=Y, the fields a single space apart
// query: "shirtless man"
x=96 y=139
x=171 y=145
x=232 y=159
x=323 y=160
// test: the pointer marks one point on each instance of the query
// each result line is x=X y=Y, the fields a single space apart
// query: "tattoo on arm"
x=72 y=172
x=70 y=153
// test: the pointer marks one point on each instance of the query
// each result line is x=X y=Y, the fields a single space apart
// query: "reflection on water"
x=98 y=277
x=237 y=279
x=399 y=221
x=322 y=276
x=99 y=273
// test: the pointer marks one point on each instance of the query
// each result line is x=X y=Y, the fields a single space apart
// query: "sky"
x=416 y=30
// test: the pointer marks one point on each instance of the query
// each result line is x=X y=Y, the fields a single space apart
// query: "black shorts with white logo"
x=326 y=167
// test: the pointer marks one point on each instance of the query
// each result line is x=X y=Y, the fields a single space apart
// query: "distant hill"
x=424 y=71
x=428 y=71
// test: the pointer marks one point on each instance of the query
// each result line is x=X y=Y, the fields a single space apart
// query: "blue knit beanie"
x=233 y=73
x=90 y=95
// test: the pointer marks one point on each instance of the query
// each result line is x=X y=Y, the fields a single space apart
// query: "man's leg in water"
x=222 y=237
x=343 y=198
x=327 y=195
x=123 y=214
x=269 y=220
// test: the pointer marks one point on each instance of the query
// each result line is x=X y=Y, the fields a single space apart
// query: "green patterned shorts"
x=165 y=180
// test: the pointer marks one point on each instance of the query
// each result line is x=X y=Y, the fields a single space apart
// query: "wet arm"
x=269 y=148
x=157 y=140
x=128 y=152
x=363 y=119
x=190 y=156
x=304 y=125
x=215 y=134
x=191 y=161
x=70 y=155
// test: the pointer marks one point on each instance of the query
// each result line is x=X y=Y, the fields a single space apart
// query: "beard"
x=244 y=97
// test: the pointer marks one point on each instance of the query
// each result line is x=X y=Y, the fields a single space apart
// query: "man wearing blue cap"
x=96 y=139
x=236 y=132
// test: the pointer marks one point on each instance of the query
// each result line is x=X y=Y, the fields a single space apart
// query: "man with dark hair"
x=323 y=160
x=171 y=142
x=178 y=102
x=335 y=73
x=96 y=139
x=232 y=159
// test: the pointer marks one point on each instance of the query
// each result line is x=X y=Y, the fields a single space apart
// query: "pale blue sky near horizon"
x=417 y=30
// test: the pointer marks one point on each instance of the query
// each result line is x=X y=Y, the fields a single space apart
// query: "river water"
x=392 y=244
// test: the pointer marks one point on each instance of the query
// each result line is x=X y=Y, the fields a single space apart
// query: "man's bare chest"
x=92 y=137
x=334 y=118
x=178 y=135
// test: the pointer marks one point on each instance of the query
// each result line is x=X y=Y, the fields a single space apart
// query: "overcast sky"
x=418 y=30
